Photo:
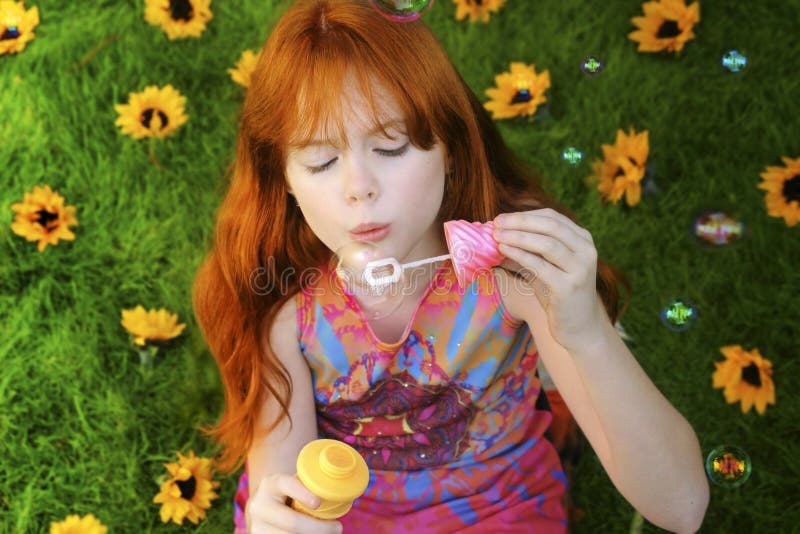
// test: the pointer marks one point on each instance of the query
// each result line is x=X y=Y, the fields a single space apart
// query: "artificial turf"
x=85 y=429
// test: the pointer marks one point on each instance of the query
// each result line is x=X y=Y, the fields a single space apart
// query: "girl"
x=352 y=120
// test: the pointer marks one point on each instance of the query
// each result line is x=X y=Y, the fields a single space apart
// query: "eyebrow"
x=382 y=126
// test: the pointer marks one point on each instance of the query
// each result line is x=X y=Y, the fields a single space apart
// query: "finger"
x=263 y=528
x=548 y=274
x=525 y=274
x=290 y=486
x=549 y=248
x=537 y=222
x=581 y=231
x=276 y=515
x=278 y=486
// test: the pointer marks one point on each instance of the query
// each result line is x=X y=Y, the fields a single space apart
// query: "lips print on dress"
x=402 y=425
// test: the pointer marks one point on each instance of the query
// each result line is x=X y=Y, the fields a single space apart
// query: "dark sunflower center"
x=668 y=29
x=621 y=171
x=791 y=189
x=180 y=10
x=751 y=375
x=523 y=95
x=187 y=488
x=147 y=116
x=46 y=217
x=12 y=32
x=476 y=2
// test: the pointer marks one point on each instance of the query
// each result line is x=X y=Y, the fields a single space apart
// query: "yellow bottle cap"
x=332 y=470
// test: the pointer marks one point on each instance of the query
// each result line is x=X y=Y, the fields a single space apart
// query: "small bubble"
x=572 y=156
x=12 y=32
x=734 y=61
x=679 y=315
x=716 y=228
x=728 y=466
x=592 y=66
x=401 y=10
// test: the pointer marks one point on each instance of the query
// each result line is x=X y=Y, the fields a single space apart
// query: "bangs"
x=340 y=65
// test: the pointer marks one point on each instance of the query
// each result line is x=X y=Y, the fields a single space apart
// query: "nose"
x=361 y=184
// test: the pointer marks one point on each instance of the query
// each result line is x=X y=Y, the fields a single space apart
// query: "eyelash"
x=397 y=152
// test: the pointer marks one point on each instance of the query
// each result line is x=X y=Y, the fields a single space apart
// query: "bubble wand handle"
x=397 y=269
x=426 y=260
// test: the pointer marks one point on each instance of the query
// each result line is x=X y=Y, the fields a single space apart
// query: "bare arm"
x=648 y=449
x=272 y=459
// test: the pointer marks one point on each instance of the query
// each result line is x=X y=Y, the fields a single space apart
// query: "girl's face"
x=376 y=180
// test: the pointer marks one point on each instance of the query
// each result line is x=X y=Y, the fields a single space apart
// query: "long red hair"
x=260 y=233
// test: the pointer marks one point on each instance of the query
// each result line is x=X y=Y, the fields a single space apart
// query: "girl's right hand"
x=267 y=512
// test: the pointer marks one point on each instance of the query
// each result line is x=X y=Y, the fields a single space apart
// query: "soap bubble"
x=679 y=315
x=649 y=185
x=401 y=10
x=592 y=66
x=349 y=263
x=734 y=61
x=715 y=228
x=572 y=156
x=728 y=466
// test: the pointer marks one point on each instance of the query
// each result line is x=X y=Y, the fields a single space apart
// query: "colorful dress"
x=446 y=418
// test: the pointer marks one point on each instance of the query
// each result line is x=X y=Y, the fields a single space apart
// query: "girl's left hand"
x=559 y=259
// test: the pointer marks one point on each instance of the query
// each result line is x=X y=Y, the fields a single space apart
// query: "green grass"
x=84 y=429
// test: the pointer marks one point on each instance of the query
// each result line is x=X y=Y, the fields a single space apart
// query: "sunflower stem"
x=153 y=156
x=88 y=57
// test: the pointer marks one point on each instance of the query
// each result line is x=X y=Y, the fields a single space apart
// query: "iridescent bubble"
x=12 y=32
x=728 y=466
x=716 y=228
x=734 y=61
x=592 y=66
x=401 y=10
x=649 y=185
x=679 y=315
x=572 y=156
x=376 y=300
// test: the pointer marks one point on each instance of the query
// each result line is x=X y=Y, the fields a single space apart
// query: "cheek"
x=427 y=186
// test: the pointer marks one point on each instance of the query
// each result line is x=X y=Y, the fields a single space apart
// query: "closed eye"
x=393 y=153
x=323 y=167
x=397 y=152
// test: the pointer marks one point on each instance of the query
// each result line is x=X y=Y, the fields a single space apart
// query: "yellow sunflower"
x=189 y=491
x=518 y=93
x=666 y=25
x=16 y=26
x=152 y=113
x=245 y=67
x=477 y=9
x=74 y=524
x=151 y=325
x=746 y=376
x=782 y=185
x=179 y=18
x=43 y=217
x=623 y=167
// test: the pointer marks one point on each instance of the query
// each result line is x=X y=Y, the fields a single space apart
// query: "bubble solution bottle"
x=333 y=471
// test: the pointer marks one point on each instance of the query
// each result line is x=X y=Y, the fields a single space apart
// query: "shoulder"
x=282 y=338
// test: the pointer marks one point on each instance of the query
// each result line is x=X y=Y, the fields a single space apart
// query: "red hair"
x=260 y=232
